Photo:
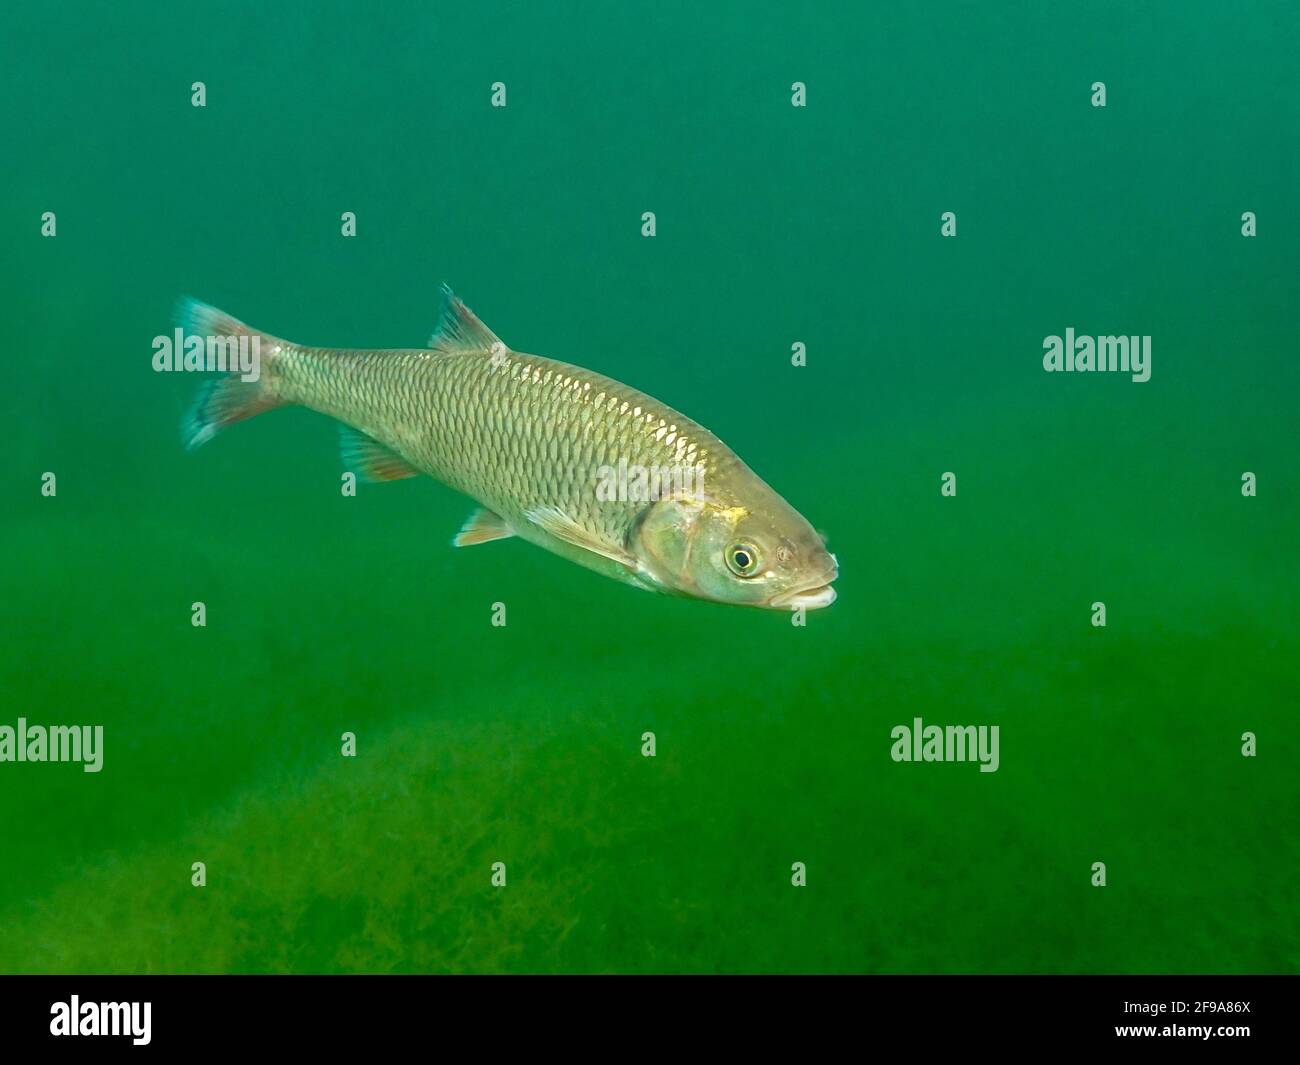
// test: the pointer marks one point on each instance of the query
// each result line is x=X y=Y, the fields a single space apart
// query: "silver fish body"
x=566 y=458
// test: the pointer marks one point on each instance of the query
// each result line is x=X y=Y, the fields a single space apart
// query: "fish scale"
x=514 y=431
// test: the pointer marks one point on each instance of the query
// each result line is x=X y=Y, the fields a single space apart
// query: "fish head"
x=760 y=552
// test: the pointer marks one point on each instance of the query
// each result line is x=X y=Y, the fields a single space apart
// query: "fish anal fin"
x=482 y=527
x=370 y=460
x=562 y=527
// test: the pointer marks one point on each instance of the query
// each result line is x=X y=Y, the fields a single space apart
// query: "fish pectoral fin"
x=554 y=521
x=369 y=459
x=482 y=527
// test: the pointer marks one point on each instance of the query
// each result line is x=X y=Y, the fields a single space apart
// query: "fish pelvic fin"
x=243 y=392
x=371 y=460
x=482 y=527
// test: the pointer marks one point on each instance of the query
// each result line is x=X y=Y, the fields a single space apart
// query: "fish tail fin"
x=239 y=393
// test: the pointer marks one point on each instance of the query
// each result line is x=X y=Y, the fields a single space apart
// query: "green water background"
x=775 y=225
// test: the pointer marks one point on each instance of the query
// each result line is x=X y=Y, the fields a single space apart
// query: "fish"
x=565 y=458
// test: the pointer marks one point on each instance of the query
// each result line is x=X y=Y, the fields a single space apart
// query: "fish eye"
x=742 y=559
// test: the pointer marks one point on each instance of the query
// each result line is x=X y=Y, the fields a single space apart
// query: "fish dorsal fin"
x=459 y=330
x=369 y=459
x=482 y=527
x=554 y=521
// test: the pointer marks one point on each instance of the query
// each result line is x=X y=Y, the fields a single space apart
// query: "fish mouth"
x=812 y=596
x=808 y=598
